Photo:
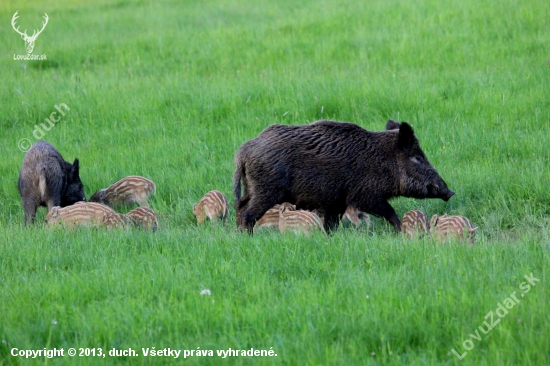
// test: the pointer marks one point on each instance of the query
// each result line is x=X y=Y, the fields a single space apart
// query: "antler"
x=24 y=34
x=13 y=19
x=34 y=34
x=29 y=41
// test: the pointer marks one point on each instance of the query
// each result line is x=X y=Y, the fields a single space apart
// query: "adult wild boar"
x=328 y=166
x=48 y=180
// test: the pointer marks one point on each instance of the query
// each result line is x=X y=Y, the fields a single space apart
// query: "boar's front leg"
x=385 y=210
x=331 y=221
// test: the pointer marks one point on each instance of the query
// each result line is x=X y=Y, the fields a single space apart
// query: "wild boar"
x=213 y=205
x=47 y=180
x=85 y=214
x=414 y=224
x=328 y=166
x=294 y=220
x=443 y=228
x=127 y=191
x=143 y=217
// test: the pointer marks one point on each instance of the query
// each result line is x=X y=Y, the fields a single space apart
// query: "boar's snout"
x=439 y=191
x=448 y=194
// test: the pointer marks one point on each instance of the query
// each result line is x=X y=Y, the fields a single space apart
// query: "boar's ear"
x=74 y=170
x=406 y=136
x=392 y=125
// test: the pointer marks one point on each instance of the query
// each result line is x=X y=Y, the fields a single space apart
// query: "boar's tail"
x=42 y=184
x=239 y=175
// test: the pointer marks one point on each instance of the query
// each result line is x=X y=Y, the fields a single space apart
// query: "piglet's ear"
x=433 y=221
x=392 y=125
x=406 y=136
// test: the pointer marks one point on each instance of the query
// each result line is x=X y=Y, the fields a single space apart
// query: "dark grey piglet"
x=48 y=180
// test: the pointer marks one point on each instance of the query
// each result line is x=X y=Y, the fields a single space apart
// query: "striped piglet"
x=414 y=224
x=269 y=220
x=85 y=214
x=143 y=217
x=356 y=217
x=127 y=191
x=294 y=220
x=443 y=228
x=213 y=205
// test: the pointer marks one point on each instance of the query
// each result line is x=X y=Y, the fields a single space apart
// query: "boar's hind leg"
x=30 y=205
x=240 y=207
x=385 y=210
x=53 y=194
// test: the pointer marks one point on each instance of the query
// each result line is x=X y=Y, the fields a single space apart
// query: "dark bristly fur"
x=414 y=224
x=48 y=180
x=329 y=166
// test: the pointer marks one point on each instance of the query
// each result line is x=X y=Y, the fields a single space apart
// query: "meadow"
x=170 y=89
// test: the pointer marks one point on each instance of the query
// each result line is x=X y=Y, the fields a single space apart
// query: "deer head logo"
x=29 y=40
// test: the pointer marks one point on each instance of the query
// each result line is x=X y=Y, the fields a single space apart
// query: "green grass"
x=169 y=90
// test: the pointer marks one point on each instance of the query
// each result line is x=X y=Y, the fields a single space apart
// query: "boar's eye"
x=417 y=159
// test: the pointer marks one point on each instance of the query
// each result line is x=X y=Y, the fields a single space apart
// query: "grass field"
x=170 y=89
